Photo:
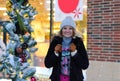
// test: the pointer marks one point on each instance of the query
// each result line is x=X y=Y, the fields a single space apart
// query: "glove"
x=58 y=48
x=72 y=47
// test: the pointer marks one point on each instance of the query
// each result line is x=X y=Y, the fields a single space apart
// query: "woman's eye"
x=64 y=28
x=70 y=28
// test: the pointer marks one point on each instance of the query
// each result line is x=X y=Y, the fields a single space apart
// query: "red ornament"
x=23 y=57
x=68 y=6
x=33 y=79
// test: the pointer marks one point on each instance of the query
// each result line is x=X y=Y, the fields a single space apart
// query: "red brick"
x=104 y=30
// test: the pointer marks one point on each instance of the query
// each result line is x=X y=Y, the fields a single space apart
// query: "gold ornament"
x=9 y=6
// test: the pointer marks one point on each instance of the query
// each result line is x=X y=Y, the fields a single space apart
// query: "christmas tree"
x=21 y=44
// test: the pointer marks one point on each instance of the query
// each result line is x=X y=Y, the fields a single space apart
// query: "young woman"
x=67 y=54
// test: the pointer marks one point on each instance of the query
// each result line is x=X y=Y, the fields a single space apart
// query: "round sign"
x=67 y=6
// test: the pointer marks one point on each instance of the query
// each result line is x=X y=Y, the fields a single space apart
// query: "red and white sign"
x=73 y=8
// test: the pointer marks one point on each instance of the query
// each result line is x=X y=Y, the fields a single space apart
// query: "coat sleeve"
x=51 y=59
x=81 y=57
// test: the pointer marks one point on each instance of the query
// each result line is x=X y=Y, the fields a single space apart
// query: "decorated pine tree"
x=20 y=44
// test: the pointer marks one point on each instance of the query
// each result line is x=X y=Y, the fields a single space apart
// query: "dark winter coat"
x=78 y=62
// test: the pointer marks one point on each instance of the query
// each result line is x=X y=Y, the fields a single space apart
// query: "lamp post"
x=51 y=18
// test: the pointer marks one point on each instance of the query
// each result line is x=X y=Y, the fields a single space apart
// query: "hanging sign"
x=73 y=8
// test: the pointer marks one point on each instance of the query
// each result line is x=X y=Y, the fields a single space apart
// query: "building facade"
x=104 y=30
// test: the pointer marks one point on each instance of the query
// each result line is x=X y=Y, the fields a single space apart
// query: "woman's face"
x=67 y=31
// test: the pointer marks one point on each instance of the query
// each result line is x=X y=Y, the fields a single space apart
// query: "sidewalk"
x=103 y=71
x=97 y=71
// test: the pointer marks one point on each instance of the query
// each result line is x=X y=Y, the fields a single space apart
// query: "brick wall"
x=104 y=30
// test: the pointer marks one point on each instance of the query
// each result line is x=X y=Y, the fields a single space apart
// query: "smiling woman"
x=67 y=54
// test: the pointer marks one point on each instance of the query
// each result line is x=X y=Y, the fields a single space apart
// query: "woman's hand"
x=72 y=47
x=58 y=48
